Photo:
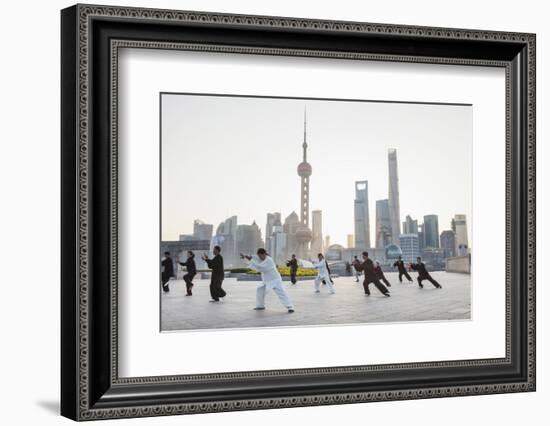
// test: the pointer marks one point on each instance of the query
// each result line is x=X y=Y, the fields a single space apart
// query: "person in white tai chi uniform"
x=324 y=275
x=271 y=278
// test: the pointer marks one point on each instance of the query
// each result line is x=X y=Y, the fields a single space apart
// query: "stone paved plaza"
x=348 y=306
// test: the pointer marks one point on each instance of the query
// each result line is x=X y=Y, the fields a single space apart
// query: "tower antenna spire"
x=304 y=145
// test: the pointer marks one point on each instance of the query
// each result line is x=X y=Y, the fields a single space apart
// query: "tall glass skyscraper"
x=383 y=224
x=431 y=231
x=393 y=195
x=361 y=210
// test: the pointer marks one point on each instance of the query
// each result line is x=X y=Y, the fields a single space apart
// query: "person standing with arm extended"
x=324 y=275
x=370 y=275
x=271 y=278
x=191 y=267
x=167 y=268
x=216 y=264
x=293 y=265
x=402 y=270
x=423 y=274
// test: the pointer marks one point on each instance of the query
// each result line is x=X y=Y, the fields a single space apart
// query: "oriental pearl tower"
x=303 y=233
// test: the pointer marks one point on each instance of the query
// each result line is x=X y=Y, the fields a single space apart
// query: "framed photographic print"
x=263 y=212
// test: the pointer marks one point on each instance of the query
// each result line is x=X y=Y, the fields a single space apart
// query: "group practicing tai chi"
x=271 y=278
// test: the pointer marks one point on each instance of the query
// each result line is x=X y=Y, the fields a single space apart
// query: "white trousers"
x=320 y=278
x=279 y=290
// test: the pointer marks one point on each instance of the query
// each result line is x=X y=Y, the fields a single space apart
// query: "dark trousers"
x=381 y=287
x=385 y=281
x=429 y=278
x=216 y=290
x=165 y=279
x=188 y=278
x=401 y=273
x=293 y=277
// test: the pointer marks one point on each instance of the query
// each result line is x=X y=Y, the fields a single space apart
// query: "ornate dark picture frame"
x=90 y=38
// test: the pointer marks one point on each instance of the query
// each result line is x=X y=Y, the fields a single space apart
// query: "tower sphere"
x=304 y=234
x=304 y=169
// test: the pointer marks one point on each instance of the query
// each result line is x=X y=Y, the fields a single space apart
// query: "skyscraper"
x=410 y=226
x=226 y=238
x=327 y=242
x=317 y=231
x=303 y=234
x=431 y=231
x=361 y=209
x=448 y=242
x=272 y=219
x=383 y=224
x=277 y=245
x=393 y=195
x=249 y=238
x=202 y=231
x=292 y=222
x=458 y=225
x=409 y=247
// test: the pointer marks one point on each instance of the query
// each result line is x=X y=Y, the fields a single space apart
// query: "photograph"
x=300 y=212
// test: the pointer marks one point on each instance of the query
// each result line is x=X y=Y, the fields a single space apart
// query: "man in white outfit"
x=324 y=275
x=271 y=278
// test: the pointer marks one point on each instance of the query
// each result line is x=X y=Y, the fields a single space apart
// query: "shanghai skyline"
x=230 y=157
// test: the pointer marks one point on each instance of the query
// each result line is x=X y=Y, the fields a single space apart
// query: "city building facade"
x=383 y=224
x=317 y=232
x=431 y=231
x=409 y=247
x=448 y=242
x=361 y=215
x=458 y=225
x=393 y=195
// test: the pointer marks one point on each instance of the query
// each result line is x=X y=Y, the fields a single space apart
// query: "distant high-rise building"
x=249 y=238
x=327 y=242
x=272 y=219
x=409 y=247
x=448 y=242
x=383 y=224
x=410 y=226
x=317 y=232
x=226 y=238
x=290 y=226
x=421 y=234
x=277 y=244
x=393 y=195
x=361 y=209
x=431 y=231
x=202 y=231
x=458 y=225
x=351 y=241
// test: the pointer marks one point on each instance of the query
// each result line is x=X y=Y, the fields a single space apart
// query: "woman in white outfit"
x=324 y=275
x=271 y=278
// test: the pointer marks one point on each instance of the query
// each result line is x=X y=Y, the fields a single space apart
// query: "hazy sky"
x=224 y=156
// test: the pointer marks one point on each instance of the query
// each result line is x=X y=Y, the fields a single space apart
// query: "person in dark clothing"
x=191 y=271
x=402 y=270
x=216 y=264
x=293 y=265
x=167 y=271
x=367 y=266
x=357 y=273
x=380 y=274
x=423 y=273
